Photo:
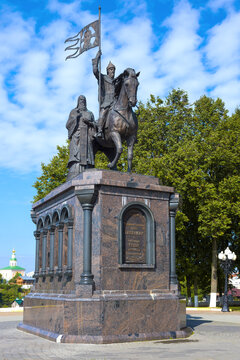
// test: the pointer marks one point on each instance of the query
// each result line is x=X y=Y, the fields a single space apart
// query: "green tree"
x=13 y=280
x=191 y=148
x=55 y=173
x=8 y=293
x=166 y=149
x=218 y=144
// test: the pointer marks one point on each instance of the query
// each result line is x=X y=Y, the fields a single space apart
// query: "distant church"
x=10 y=271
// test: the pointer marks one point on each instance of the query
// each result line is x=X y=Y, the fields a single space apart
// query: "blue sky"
x=193 y=45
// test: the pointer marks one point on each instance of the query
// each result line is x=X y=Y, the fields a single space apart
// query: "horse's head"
x=130 y=83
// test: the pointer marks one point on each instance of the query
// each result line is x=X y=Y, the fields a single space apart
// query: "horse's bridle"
x=126 y=89
x=125 y=108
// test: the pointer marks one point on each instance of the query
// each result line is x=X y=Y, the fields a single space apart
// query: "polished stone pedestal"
x=104 y=262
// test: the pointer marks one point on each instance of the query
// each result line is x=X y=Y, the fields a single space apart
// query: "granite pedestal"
x=105 y=265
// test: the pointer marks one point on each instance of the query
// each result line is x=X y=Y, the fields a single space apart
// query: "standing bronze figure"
x=107 y=91
x=81 y=128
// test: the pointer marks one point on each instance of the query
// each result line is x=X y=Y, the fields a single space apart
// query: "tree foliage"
x=55 y=173
x=10 y=291
x=14 y=279
x=195 y=149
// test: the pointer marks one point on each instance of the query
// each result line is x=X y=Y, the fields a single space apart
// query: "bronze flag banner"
x=87 y=38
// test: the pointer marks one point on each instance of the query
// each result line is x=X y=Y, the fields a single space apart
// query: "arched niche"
x=40 y=223
x=55 y=223
x=40 y=226
x=65 y=214
x=55 y=217
x=67 y=221
x=47 y=227
x=136 y=236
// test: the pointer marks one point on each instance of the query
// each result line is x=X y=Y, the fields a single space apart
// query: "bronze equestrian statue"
x=121 y=123
x=117 y=123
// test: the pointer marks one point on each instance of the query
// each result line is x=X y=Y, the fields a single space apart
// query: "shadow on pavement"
x=194 y=321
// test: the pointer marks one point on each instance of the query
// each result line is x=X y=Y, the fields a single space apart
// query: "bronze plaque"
x=134 y=237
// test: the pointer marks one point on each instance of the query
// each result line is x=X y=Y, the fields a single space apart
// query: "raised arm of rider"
x=95 y=63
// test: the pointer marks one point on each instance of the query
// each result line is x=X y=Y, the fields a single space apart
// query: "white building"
x=10 y=271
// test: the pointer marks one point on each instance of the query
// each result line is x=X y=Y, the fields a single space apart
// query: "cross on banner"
x=87 y=38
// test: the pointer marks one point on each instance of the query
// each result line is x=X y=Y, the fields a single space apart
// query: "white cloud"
x=220 y=4
x=15 y=39
x=134 y=42
x=223 y=47
x=138 y=8
x=223 y=56
x=70 y=12
x=179 y=58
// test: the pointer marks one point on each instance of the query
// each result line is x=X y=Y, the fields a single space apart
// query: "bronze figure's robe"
x=80 y=135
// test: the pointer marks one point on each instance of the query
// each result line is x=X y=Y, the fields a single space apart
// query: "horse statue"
x=121 y=123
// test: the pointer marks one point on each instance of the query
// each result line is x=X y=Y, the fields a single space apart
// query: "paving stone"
x=216 y=337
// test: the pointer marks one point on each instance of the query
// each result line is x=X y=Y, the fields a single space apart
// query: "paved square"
x=216 y=336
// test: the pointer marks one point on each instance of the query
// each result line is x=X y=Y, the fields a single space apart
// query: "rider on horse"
x=107 y=92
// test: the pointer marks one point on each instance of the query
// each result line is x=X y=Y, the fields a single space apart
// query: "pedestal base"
x=107 y=318
x=107 y=235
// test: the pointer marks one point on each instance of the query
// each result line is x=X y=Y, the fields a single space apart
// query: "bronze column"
x=86 y=198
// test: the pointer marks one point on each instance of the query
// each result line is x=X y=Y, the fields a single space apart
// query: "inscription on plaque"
x=134 y=237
